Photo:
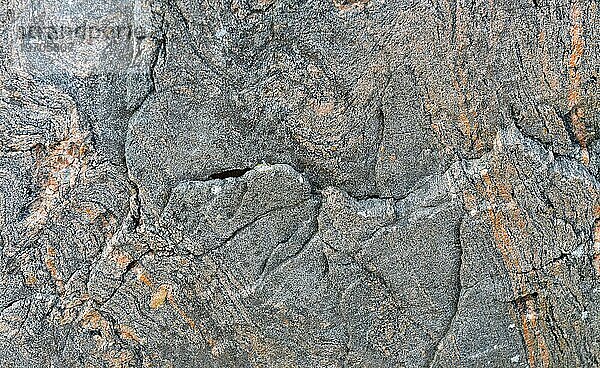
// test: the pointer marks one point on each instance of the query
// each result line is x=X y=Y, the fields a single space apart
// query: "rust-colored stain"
x=596 y=247
x=159 y=296
x=50 y=262
x=468 y=124
x=93 y=320
x=574 y=96
x=498 y=221
x=51 y=252
x=533 y=340
x=122 y=259
x=142 y=276
x=123 y=359
x=165 y=293
x=500 y=200
x=128 y=333
x=62 y=167
x=30 y=280
x=180 y=311
x=64 y=164
x=96 y=214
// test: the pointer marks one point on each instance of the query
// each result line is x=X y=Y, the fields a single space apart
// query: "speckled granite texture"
x=299 y=183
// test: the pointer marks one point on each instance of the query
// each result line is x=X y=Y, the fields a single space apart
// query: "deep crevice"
x=233 y=173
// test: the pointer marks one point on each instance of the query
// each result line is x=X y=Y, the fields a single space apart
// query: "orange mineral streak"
x=529 y=344
x=122 y=259
x=180 y=311
x=499 y=197
x=128 y=333
x=142 y=276
x=165 y=293
x=97 y=214
x=93 y=320
x=574 y=96
x=123 y=359
x=159 y=296
x=468 y=126
x=533 y=340
x=30 y=280
x=50 y=262
x=62 y=166
x=501 y=236
x=596 y=247
x=532 y=318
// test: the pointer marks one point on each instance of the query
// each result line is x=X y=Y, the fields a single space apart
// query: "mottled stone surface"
x=299 y=183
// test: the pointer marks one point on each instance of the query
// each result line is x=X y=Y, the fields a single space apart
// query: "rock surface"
x=299 y=183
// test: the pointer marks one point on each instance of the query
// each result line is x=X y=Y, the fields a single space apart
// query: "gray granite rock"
x=287 y=183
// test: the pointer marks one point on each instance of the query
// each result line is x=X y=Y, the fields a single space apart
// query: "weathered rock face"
x=280 y=183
